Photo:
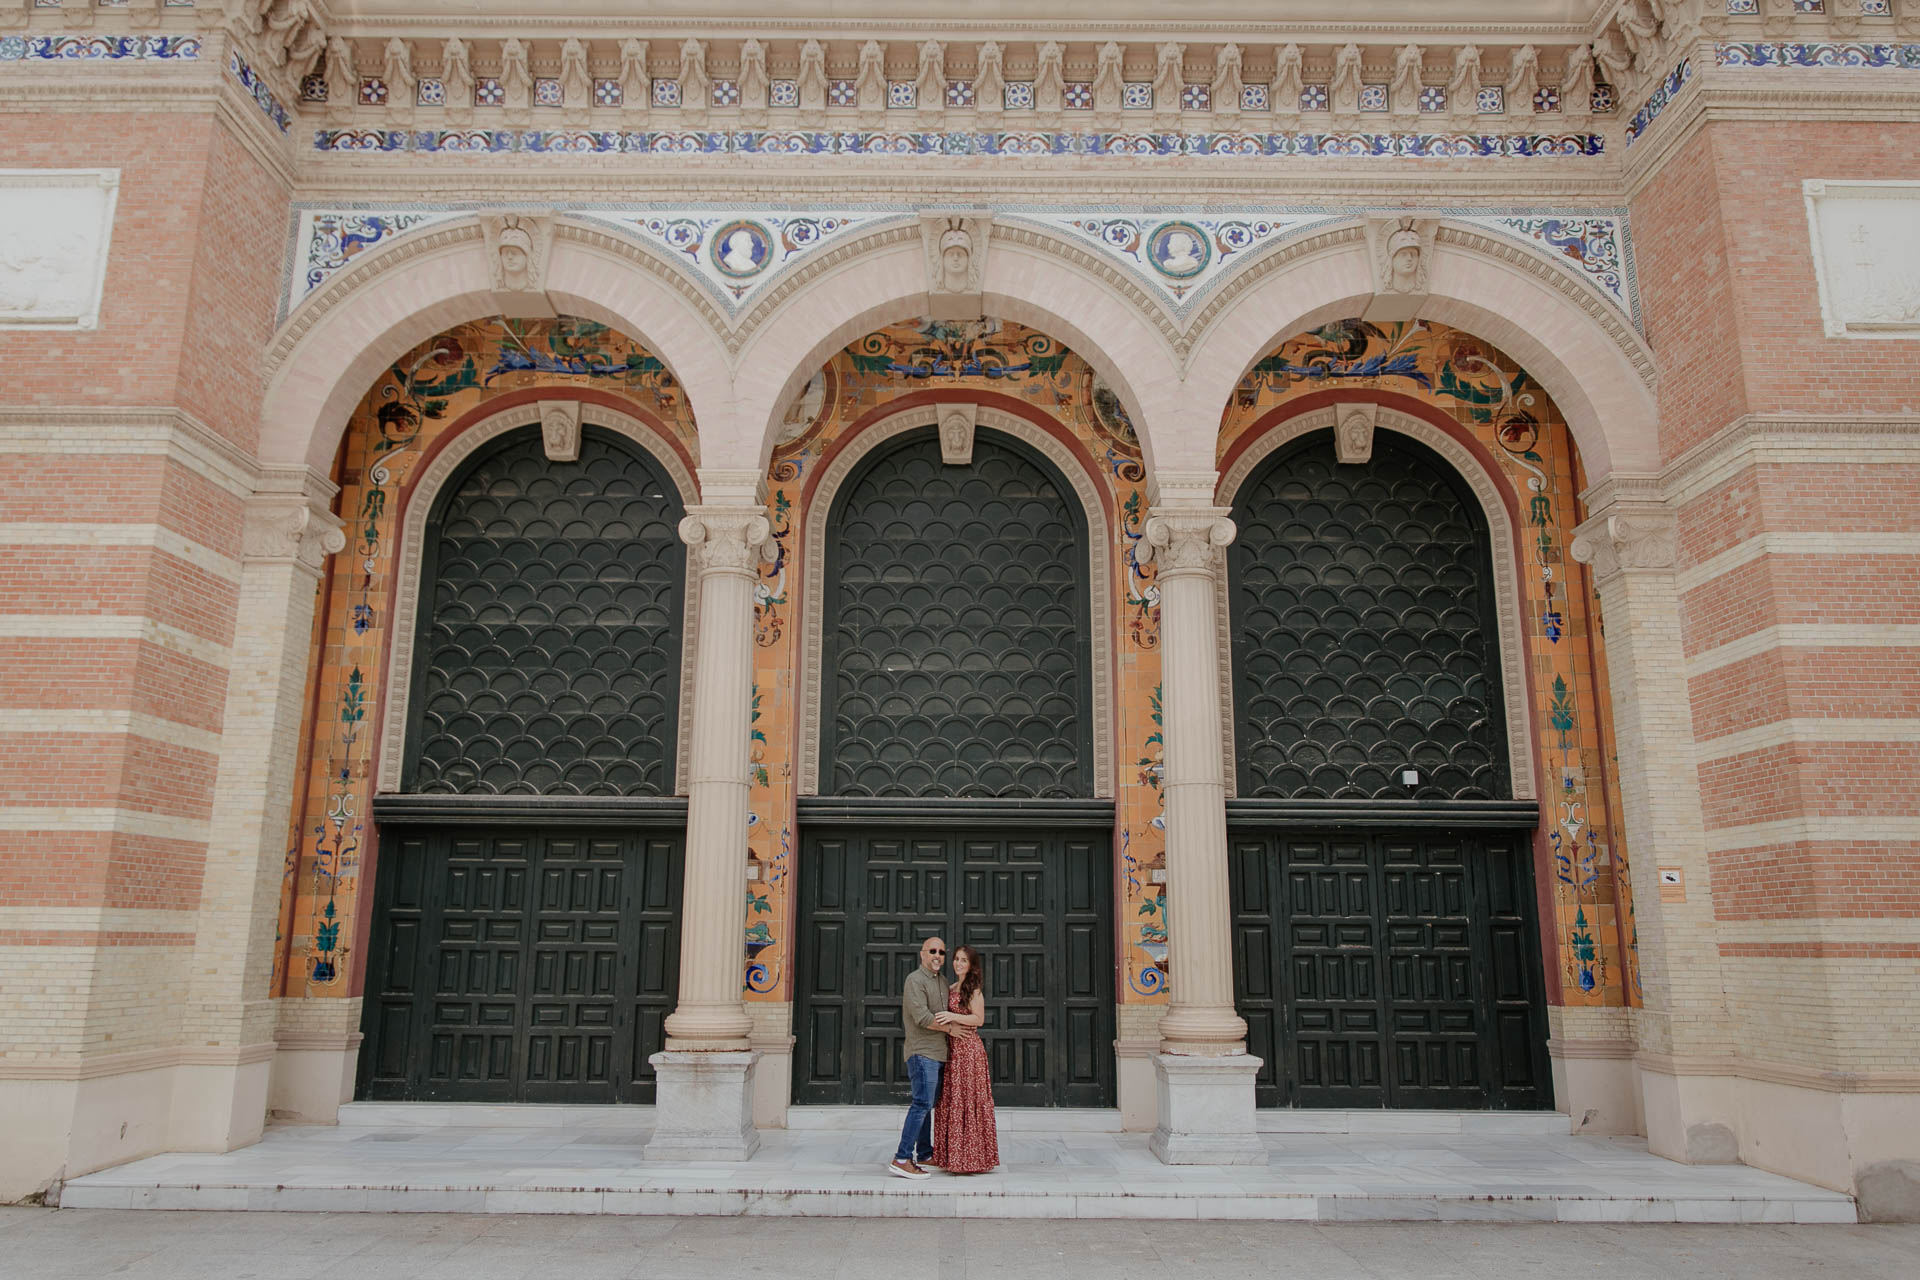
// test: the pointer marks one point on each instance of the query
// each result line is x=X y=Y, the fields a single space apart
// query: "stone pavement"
x=43 y=1244
x=488 y=1160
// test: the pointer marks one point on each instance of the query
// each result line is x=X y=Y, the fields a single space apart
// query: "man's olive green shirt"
x=924 y=998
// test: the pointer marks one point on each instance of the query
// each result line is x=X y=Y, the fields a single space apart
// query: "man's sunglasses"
x=936 y=951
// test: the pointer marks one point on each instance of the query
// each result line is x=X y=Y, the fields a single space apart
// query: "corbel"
x=957 y=423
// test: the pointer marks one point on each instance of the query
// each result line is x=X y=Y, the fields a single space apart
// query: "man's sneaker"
x=907 y=1169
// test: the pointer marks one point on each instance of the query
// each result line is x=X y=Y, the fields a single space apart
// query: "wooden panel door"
x=1390 y=969
x=1036 y=906
x=520 y=966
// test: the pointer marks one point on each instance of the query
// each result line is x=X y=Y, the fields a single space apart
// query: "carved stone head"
x=956 y=259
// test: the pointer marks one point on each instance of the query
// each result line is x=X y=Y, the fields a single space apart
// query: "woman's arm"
x=976 y=1014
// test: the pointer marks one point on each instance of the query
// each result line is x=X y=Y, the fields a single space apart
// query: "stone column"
x=220 y=1101
x=1630 y=540
x=1204 y=1072
x=705 y=1074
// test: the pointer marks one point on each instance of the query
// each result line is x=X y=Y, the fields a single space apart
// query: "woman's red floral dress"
x=964 y=1138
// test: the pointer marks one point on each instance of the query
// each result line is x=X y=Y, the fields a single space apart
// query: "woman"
x=964 y=1139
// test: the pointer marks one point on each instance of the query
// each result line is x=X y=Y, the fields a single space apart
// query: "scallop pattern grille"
x=551 y=664
x=957 y=629
x=1364 y=638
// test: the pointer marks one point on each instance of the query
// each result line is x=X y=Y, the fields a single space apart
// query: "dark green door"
x=520 y=965
x=1390 y=969
x=1036 y=906
x=525 y=940
x=956 y=776
x=1385 y=936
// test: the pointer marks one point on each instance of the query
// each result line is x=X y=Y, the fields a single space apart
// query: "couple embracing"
x=950 y=1124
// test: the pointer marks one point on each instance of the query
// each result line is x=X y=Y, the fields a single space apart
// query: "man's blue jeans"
x=916 y=1139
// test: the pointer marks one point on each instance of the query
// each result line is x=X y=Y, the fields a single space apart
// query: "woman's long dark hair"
x=976 y=972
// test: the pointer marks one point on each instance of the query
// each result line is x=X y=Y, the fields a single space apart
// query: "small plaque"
x=1673 y=884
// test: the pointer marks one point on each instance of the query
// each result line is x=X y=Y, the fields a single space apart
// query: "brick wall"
x=1799 y=579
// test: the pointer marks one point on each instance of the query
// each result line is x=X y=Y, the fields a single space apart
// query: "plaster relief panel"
x=55 y=228
x=1866 y=257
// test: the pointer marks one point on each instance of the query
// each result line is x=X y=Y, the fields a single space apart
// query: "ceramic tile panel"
x=1500 y=411
x=396 y=424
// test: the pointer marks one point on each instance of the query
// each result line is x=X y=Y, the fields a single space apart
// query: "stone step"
x=595 y=1167
x=627 y=1118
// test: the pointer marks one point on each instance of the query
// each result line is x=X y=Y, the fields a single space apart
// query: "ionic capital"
x=1186 y=539
x=727 y=539
x=290 y=528
x=1642 y=539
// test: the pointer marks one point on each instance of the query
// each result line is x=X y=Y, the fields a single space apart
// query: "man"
x=923 y=1007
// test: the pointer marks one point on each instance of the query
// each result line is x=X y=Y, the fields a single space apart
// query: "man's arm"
x=918 y=1011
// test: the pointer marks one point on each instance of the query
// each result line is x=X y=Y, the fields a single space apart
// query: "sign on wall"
x=1866 y=257
x=55 y=227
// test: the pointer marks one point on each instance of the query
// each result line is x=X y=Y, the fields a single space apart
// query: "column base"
x=1206 y=1110
x=703 y=1107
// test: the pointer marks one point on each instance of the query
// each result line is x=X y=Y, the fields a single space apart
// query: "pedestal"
x=1206 y=1110
x=703 y=1107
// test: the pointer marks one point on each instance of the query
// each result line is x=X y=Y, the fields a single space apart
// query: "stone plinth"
x=704 y=1107
x=1206 y=1110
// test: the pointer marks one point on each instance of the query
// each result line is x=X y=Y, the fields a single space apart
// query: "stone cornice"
x=1766 y=436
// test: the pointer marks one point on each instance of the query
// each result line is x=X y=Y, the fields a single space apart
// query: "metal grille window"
x=549 y=655
x=1364 y=633
x=956 y=660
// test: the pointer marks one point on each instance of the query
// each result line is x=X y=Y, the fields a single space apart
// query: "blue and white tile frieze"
x=1244 y=146
x=1763 y=53
x=70 y=48
x=1182 y=256
x=328 y=240
x=1595 y=246
x=1178 y=257
x=737 y=253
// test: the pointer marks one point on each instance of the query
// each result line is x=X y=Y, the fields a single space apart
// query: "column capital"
x=288 y=521
x=727 y=539
x=1186 y=539
x=1626 y=538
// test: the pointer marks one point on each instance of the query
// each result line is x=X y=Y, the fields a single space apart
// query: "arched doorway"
x=956 y=772
x=1384 y=914
x=525 y=933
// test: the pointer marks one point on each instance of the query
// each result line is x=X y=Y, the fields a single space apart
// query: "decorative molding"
x=291 y=527
x=66 y=48
x=998 y=143
x=1400 y=252
x=327 y=241
x=1784 y=1073
x=76 y=1067
x=956 y=246
x=1506 y=585
x=425 y=490
x=519 y=247
x=737 y=254
x=1353 y=437
x=1179 y=260
x=726 y=539
x=957 y=423
x=1609 y=317
x=1186 y=540
x=560 y=430
x=1763 y=55
x=56 y=231
x=813 y=561
x=1627 y=538
x=1788 y=438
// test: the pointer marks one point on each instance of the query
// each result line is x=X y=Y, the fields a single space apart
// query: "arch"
x=423 y=495
x=343 y=334
x=813 y=554
x=1031 y=278
x=1517 y=700
x=1567 y=337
